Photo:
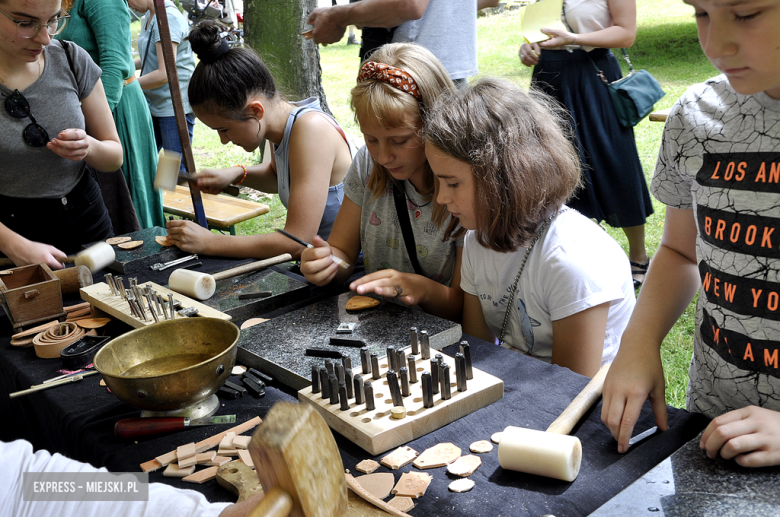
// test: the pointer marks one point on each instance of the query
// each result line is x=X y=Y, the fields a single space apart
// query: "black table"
x=77 y=420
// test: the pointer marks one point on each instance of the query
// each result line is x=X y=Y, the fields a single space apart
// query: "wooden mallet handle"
x=580 y=405
x=252 y=266
x=276 y=503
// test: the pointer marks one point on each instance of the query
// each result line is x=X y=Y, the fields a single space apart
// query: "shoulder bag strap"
x=406 y=226
x=66 y=47
x=148 y=42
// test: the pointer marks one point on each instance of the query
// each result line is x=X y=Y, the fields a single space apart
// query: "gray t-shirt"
x=159 y=98
x=37 y=172
x=380 y=234
x=720 y=157
x=448 y=28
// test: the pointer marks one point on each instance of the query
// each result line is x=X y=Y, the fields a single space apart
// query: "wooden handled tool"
x=552 y=453
x=252 y=266
x=298 y=464
x=202 y=285
x=168 y=173
x=132 y=428
x=96 y=257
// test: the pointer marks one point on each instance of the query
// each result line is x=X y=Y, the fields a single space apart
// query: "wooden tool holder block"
x=376 y=432
x=31 y=295
x=100 y=296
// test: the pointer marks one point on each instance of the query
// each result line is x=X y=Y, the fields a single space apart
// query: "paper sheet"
x=544 y=14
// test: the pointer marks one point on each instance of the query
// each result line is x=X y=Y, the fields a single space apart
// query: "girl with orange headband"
x=389 y=211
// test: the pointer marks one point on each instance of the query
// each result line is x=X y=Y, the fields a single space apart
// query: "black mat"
x=77 y=420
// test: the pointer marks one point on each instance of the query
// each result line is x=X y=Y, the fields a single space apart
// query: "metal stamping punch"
x=346 y=328
x=159 y=266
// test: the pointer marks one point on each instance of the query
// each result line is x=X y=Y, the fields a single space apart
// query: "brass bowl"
x=169 y=365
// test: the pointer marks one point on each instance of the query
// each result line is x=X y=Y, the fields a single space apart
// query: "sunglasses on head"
x=17 y=106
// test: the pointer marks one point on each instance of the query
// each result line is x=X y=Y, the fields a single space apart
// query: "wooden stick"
x=34 y=330
x=77 y=307
x=252 y=266
x=77 y=314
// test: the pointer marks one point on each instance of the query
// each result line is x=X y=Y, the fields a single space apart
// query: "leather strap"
x=129 y=80
x=406 y=226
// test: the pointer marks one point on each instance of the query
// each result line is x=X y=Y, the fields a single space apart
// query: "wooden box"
x=31 y=295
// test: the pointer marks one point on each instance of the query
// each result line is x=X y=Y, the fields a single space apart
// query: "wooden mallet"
x=552 y=453
x=298 y=464
x=203 y=285
x=169 y=173
x=96 y=257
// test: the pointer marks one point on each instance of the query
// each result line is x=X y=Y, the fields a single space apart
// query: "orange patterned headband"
x=389 y=74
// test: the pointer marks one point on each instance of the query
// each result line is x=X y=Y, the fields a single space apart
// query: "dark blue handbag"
x=634 y=95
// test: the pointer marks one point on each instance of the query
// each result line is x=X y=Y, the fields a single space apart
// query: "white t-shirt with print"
x=576 y=265
x=720 y=157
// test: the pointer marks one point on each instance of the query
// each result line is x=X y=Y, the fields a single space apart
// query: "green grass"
x=666 y=45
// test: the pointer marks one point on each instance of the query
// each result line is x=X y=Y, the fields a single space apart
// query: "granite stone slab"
x=689 y=484
x=139 y=259
x=277 y=347
x=285 y=291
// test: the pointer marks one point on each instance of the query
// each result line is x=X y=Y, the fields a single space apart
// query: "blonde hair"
x=519 y=147
x=392 y=108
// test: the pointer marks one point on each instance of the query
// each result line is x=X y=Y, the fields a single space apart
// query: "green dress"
x=102 y=28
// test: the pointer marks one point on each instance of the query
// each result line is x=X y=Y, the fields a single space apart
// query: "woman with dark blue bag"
x=614 y=189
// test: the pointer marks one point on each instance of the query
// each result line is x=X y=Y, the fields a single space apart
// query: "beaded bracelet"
x=239 y=182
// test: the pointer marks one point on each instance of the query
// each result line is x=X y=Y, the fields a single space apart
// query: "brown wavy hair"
x=392 y=108
x=518 y=146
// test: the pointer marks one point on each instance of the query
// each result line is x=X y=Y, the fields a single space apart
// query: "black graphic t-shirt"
x=720 y=156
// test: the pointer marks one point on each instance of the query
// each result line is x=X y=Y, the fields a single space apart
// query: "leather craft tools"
x=302 y=242
x=552 y=453
x=133 y=428
x=251 y=296
x=143 y=305
x=342 y=341
x=323 y=352
x=367 y=421
x=81 y=353
x=168 y=173
x=53 y=384
x=96 y=257
x=202 y=285
x=159 y=266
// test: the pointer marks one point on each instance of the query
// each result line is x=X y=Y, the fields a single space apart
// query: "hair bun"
x=207 y=42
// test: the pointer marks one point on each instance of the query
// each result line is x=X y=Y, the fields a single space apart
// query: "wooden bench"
x=222 y=211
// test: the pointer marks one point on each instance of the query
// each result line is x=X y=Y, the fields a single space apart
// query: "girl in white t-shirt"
x=537 y=275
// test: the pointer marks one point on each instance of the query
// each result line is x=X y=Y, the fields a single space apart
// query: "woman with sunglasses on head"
x=55 y=118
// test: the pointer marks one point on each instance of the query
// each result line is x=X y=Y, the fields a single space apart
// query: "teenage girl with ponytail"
x=232 y=92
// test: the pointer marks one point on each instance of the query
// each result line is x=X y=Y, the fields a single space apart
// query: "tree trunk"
x=273 y=29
